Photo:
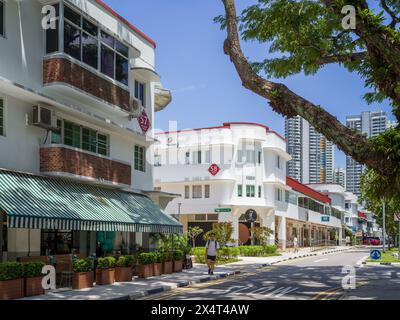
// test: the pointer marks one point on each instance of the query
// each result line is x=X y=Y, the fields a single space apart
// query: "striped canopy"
x=38 y=202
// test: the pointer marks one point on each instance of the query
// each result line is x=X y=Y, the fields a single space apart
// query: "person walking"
x=211 y=251
x=295 y=244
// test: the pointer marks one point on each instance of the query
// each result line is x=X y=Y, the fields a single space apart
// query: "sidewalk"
x=143 y=287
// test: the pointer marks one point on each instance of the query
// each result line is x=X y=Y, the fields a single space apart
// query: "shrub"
x=228 y=252
x=11 y=271
x=106 y=263
x=158 y=257
x=270 y=248
x=125 y=261
x=251 y=251
x=82 y=265
x=33 y=269
x=178 y=255
x=200 y=254
x=147 y=258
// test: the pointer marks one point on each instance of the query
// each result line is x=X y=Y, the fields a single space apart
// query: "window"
x=196 y=192
x=207 y=191
x=140 y=159
x=84 y=42
x=278 y=162
x=278 y=194
x=187 y=192
x=250 y=191
x=72 y=134
x=157 y=160
x=240 y=190
x=196 y=157
x=140 y=92
x=259 y=191
x=259 y=157
x=1 y=116
x=187 y=158
x=208 y=156
x=52 y=35
x=2 y=19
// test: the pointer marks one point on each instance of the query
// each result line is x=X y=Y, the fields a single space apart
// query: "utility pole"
x=384 y=225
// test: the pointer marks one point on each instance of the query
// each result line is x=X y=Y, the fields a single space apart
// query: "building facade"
x=339 y=177
x=77 y=104
x=312 y=154
x=224 y=171
x=369 y=124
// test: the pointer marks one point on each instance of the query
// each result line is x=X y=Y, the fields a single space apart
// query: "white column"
x=269 y=222
x=234 y=219
x=282 y=232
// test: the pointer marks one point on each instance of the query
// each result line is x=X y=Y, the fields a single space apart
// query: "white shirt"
x=212 y=247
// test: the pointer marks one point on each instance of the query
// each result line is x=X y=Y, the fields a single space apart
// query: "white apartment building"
x=339 y=177
x=312 y=154
x=370 y=124
x=223 y=171
x=77 y=103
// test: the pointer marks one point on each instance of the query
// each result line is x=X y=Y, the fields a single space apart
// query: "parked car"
x=374 y=241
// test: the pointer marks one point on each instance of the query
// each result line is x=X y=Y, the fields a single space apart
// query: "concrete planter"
x=157 y=269
x=11 y=289
x=145 y=270
x=82 y=280
x=178 y=266
x=33 y=287
x=123 y=274
x=105 y=276
x=167 y=267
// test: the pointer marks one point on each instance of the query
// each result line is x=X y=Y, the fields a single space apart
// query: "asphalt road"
x=318 y=278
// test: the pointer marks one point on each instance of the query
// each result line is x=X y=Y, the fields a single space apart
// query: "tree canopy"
x=302 y=36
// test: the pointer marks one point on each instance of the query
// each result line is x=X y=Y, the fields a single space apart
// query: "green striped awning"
x=38 y=202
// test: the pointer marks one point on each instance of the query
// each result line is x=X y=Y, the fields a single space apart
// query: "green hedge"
x=178 y=255
x=257 y=251
x=106 y=263
x=125 y=261
x=33 y=269
x=11 y=271
x=147 y=258
x=82 y=265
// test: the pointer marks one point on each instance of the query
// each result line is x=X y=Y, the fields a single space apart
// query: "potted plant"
x=83 y=274
x=33 y=278
x=157 y=266
x=123 y=269
x=105 y=272
x=146 y=261
x=178 y=260
x=11 y=280
x=166 y=259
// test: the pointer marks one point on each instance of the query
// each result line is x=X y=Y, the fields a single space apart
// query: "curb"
x=178 y=285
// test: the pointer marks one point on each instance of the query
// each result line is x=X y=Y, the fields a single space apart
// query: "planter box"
x=82 y=280
x=157 y=269
x=123 y=274
x=168 y=267
x=145 y=270
x=33 y=287
x=178 y=266
x=106 y=276
x=12 y=289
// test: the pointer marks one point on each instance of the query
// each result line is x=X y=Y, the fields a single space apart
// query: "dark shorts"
x=212 y=258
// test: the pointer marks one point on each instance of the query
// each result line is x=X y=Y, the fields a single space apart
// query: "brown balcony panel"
x=65 y=160
x=62 y=70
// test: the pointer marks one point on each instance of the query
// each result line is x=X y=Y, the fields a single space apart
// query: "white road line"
x=321 y=260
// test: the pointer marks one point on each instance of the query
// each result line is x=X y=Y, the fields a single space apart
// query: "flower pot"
x=167 y=267
x=157 y=269
x=123 y=274
x=11 y=289
x=145 y=270
x=105 y=276
x=82 y=280
x=178 y=265
x=33 y=287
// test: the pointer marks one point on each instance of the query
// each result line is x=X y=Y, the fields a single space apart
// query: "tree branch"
x=287 y=103
x=342 y=58
x=395 y=19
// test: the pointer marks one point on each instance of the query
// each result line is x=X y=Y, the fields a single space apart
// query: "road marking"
x=321 y=260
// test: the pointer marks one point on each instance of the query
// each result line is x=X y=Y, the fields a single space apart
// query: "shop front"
x=43 y=216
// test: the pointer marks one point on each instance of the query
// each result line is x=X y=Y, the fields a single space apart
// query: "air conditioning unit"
x=43 y=118
x=135 y=108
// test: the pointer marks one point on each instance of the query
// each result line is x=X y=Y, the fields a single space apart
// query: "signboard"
x=223 y=210
x=325 y=218
x=251 y=215
x=375 y=254
x=397 y=217
x=214 y=169
x=144 y=122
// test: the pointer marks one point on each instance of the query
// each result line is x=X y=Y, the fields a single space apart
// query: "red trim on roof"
x=294 y=184
x=227 y=125
x=122 y=19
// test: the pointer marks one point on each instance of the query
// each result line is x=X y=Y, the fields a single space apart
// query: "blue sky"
x=206 y=88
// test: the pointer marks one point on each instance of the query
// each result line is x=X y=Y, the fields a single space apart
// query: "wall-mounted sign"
x=251 y=215
x=325 y=218
x=144 y=122
x=214 y=169
x=223 y=210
